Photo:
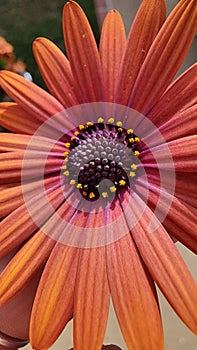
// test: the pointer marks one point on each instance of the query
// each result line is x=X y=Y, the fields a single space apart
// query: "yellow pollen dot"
x=122 y=182
x=73 y=138
x=100 y=120
x=72 y=182
x=81 y=127
x=120 y=129
x=119 y=123
x=112 y=189
x=130 y=131
x=133 y=166
x=63 y=167
x=131 y=139
x=136 y=153
x=137 y=139
x=66 y=172
x=104 y=194
x=67 y=144
x=132 y=173
x=84 y=193
x=79 y=186
x=66 y=154
x=89 y=123
x=111 y=120
x=66 y=159
x=91 y=195
x=76 y=133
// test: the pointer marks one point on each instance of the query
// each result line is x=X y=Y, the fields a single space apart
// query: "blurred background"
x=20 y=23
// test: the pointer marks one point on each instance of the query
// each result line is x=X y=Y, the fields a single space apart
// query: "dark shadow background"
x=21 y=21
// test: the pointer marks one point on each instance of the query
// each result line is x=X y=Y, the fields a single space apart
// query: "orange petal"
x=91 y=300
x=15 y=142
x=53 y=305
x=15 y=119
x=14 y=232
x=146 y=25
x=165 y=263
x=133 y=293
x=83 y=53
x=181 y=125
x=165 y=56
x=183 y=152
x=12 y=163
x=112 y=45
x=186 y=188
x=12 y=197
x=24 y=265
x=181 y=206
x=180 y=95
x=55 y=70
x=34 y=100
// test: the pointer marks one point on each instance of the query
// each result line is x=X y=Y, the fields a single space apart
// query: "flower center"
x=101 y=151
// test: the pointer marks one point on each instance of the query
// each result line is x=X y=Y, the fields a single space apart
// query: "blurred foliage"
x=22 y=21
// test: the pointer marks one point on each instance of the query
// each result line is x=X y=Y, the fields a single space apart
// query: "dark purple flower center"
x=101 y=151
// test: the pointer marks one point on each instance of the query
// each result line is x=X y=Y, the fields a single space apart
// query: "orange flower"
x=7 y=57
x=98 y=176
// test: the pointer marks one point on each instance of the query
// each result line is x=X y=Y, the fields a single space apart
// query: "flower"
x=98 y=177
x=7 y=58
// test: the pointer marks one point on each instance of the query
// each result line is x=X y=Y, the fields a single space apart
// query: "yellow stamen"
x=79 y=186
x=63 y=167
x=133 y=166
x=132 y=173
x=67 y=144
x=131 y=139
x=66 y=172
x=91 y=195
x=137 y=139
x=122 y=182
x=81 y=127
x=119 y=123
x=112 y=189
x=104 y=194
x=66 y=154
x=89 y=123
x=100 y=120
x=76 y=133
x=72 y=182
x=136 y=153
x=130 y=131
x=111 y=120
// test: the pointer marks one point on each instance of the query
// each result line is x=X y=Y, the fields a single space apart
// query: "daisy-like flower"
x=98 y=178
